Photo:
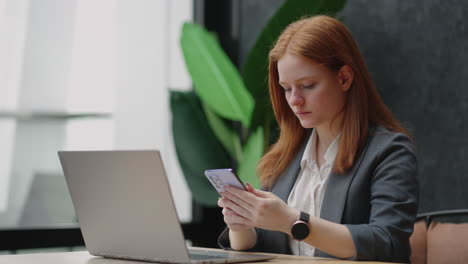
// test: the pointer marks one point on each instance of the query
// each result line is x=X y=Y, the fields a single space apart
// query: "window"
x=83 y=75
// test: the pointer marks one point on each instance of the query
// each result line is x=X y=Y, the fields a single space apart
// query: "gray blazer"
x=377 y=200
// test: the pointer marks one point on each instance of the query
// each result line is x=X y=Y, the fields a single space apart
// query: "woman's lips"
x=302 y=114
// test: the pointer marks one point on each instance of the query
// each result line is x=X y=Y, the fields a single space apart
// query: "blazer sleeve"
x=394 y=203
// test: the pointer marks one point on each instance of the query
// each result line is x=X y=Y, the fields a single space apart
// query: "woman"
x=341 y=181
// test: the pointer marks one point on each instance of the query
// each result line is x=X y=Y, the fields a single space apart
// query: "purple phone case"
x=220 y=178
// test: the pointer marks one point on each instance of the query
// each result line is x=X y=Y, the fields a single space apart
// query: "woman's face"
x=314 y=93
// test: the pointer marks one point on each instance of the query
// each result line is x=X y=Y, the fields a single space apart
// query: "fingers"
x=220 y=202
x=240 y=206
x=234 y=206
x=259 y=193
x=241 y=197
x=228 y=213
x=232 y=218
x=249 y=187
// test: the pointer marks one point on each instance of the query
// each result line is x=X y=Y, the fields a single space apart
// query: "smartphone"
x=221 y=178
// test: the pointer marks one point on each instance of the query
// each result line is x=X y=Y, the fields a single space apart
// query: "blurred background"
x=83 y=74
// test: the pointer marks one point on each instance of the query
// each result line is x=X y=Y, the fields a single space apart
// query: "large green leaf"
x=215 y=78
x=253 y=151
x=255 y=69
x=224 y=133
x=196 y=146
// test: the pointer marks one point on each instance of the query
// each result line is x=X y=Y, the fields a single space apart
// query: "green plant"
x=204 y=134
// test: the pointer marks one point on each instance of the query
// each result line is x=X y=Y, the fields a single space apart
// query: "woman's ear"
x=345 y=77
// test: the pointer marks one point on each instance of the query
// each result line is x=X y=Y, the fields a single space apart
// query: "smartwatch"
x=301 y=229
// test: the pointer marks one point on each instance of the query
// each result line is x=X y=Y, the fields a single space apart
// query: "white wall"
x=142 y=116
x=92 y=83
x=13 y=16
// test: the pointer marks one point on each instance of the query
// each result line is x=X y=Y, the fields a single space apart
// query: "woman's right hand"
x=231 y=218
x=241 y=236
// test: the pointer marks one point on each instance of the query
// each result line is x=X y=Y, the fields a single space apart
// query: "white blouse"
x=307 y=193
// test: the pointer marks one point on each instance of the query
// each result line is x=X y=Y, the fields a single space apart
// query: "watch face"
x=300 y=230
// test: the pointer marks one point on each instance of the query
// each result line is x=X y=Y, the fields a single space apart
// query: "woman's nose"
x=296 y=98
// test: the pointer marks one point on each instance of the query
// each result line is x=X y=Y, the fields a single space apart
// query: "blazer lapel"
x=336 y=192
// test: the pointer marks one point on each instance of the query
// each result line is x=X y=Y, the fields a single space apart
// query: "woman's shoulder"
x=382 y=137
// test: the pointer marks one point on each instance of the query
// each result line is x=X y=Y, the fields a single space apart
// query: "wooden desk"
x=83 y=257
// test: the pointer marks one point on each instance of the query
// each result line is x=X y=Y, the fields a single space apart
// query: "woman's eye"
x=287 y=90
x=308 y=86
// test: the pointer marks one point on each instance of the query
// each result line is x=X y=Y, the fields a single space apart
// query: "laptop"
x=125 y=208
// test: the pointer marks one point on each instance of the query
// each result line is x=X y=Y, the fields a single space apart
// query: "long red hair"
x=327 y=41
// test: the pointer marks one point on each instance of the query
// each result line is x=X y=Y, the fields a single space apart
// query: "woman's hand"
x=234 y=221
x=256 y=208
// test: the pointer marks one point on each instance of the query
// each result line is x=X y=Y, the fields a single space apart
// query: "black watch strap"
x=304 y=217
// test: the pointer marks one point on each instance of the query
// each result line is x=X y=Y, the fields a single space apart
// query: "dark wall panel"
x=254 y=14
x=417 y=53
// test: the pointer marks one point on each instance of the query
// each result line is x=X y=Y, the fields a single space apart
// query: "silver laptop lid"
x=113 y=193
